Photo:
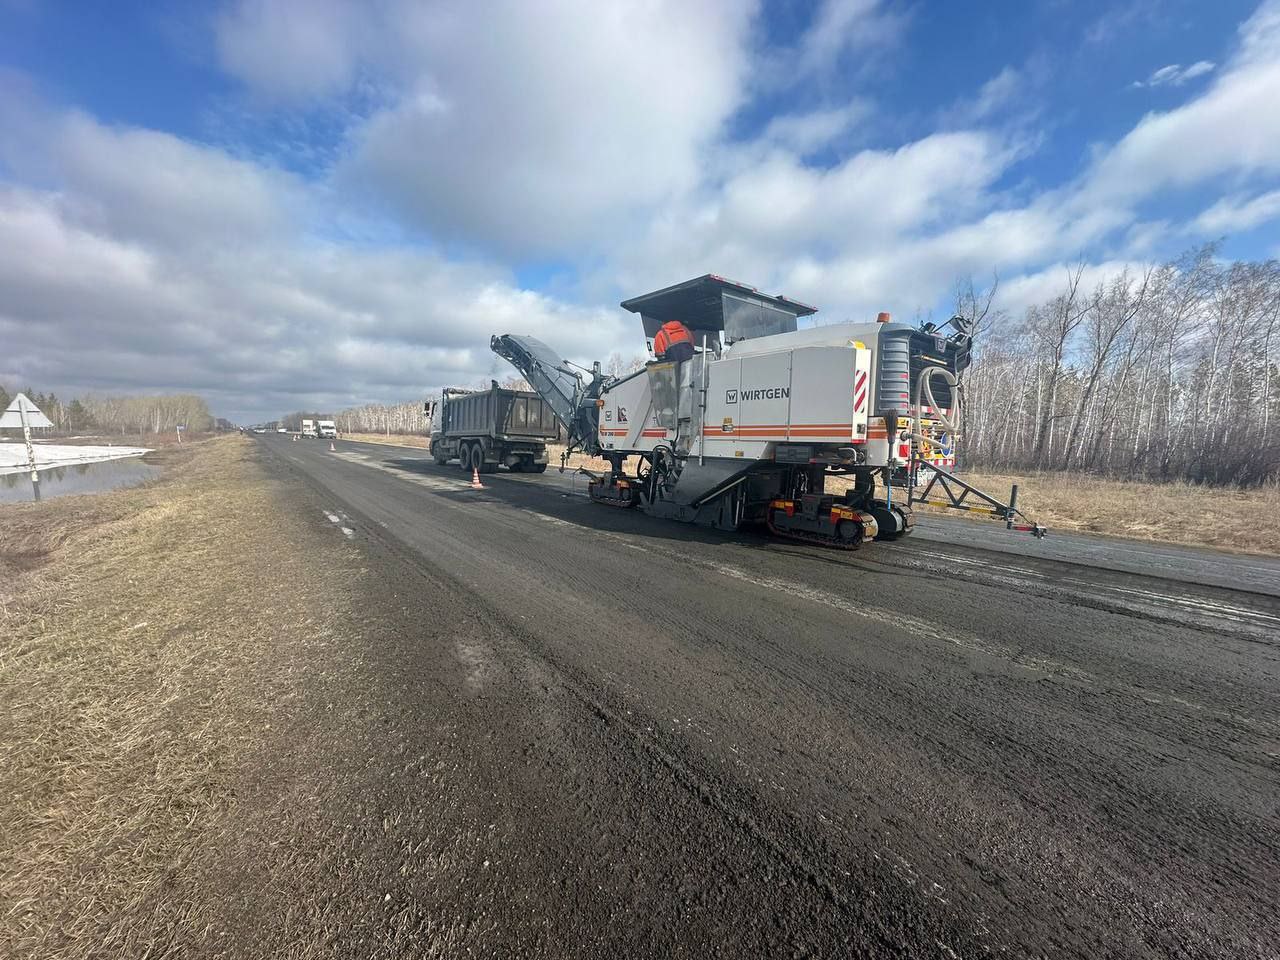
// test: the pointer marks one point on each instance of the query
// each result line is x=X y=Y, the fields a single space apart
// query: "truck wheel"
x=464 y=457
x=435 y=455
x=518 y=466
x=536 y=467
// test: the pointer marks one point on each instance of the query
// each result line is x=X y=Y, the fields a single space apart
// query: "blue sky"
x=288 y=204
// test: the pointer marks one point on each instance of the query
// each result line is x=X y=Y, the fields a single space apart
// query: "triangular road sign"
x=13 y=417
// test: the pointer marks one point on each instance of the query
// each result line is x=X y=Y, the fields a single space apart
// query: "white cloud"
x=1018 y=293
x=294 y=50
x=1233 y=128
x=591 y=134
x=531 y=129
x=992 y=100
x=258 y=320
x=1120 y=18
x=842 y=27
x=997 y=92
x=805 y=133
x=1175 y=74
x=1197 y=69
x=1236 y=214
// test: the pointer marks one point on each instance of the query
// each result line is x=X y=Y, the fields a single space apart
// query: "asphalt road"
x=672 y=742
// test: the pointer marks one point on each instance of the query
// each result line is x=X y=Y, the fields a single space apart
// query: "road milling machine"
x=755 y=424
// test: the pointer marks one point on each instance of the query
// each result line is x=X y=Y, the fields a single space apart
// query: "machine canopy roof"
x=712 y=304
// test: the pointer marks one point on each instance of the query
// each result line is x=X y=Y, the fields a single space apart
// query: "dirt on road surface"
x=519 y=724
x=671 y=742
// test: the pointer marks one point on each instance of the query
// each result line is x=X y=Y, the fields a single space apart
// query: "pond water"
x=77 y=478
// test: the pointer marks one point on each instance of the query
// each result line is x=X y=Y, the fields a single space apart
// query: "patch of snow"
x=13 y=456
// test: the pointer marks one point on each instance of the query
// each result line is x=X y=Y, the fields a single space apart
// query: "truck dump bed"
x=500 y=414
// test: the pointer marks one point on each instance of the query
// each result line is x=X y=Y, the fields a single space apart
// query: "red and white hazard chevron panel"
x=861 y=392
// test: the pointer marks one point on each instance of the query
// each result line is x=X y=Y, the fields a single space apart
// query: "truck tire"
x=435 y=455
x=536 y=467
x=464 y=457
x=518 y=466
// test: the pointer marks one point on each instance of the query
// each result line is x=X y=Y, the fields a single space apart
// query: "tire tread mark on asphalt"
x=1212 y=614
x=701 y=788
x=915 y=625
x=690 y=778
x=926 y=630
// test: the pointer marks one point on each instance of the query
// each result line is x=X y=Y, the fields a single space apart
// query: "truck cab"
x=326 y=429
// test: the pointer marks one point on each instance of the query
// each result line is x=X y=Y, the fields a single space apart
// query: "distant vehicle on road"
x=488 y=428
x=308 y=428
x=326 y=429
x=259 y=429
x=282 y=429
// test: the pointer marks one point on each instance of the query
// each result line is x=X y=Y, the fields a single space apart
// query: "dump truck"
x=752 y=428
x=485 y=429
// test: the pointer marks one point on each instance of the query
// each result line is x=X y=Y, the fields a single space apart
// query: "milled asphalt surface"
x=646 y=739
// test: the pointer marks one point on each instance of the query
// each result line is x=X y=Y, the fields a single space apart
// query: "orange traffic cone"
x=475 y=479
x=295 y=438
x=332 y=448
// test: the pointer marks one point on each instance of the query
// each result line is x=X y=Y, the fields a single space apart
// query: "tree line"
x=1171 y=372
x=123 y=415
x=386 y=418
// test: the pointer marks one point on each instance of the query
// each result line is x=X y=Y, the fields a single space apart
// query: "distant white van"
x=326 y=429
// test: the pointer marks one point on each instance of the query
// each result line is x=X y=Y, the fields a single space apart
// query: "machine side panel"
x=761 y=408
x=627 y=418
x=723 y=436
x=822 y=380
x=724 y=380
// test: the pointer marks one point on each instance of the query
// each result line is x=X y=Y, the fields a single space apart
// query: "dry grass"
x=129 y=622
x=1243 y=520
x=576 y=460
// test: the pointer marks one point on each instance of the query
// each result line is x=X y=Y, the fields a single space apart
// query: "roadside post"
x=31 y=451
x=181 y=427
x=25 y=414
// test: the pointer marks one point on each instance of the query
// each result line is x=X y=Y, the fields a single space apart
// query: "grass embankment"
x=135 y=628
x=1245 y=520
